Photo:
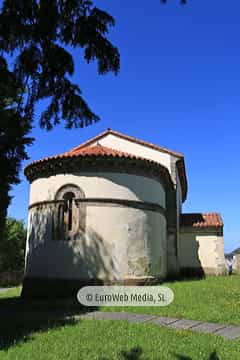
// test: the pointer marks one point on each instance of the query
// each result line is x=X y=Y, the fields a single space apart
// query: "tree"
x=13 y=139
x=36 y=35
x=12 y=246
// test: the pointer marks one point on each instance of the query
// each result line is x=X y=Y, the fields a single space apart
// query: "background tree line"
x=12 y=251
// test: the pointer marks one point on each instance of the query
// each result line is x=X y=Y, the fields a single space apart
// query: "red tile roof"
x=88 y=149
x=201 y=220
x=95 y=150
x=99 y=150
x=90 y=152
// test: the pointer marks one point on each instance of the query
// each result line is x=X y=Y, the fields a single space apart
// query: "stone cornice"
x=93 y=164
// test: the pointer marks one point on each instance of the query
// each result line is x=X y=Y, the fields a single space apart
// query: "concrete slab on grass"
x=184 y=324
x=164 y=321
x=230 y=332
x=209 y=328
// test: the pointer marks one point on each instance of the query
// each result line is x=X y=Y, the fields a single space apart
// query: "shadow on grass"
x=133 y=354
x=137 y=352
x=21 y=318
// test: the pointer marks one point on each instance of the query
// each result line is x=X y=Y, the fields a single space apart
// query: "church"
x=109 y=211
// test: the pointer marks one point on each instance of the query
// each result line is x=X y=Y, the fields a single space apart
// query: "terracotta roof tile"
x=95 y=151
x=199 y=220
x=86 y=149
x=98 y=150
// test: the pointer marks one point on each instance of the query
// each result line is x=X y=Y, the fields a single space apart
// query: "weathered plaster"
x=202 y=248
x=103 y=185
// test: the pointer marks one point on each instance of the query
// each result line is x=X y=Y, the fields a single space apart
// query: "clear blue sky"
x=179 y=87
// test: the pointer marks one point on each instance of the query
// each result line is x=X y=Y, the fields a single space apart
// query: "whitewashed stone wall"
x=119 y=242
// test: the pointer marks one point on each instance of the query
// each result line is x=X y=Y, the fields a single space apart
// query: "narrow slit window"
x=68 y=198
x=70 y=216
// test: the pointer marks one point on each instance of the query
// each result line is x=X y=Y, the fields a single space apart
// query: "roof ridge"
x=86 y=143
x=130 y=138
x=147 y=143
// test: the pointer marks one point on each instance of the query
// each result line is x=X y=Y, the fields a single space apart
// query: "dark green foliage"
x=14 y=128
x=12 y=246
x=34 y=35
x=38 y=33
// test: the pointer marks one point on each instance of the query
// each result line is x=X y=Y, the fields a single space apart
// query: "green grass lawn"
x=108 y=340
x=36 y=330
x=105 y=340
x=215 y=299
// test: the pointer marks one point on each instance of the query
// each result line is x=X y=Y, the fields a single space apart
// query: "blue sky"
x=179 y=87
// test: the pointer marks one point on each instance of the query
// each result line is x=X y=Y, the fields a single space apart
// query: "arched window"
x=68 y=200
x=70 y=213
